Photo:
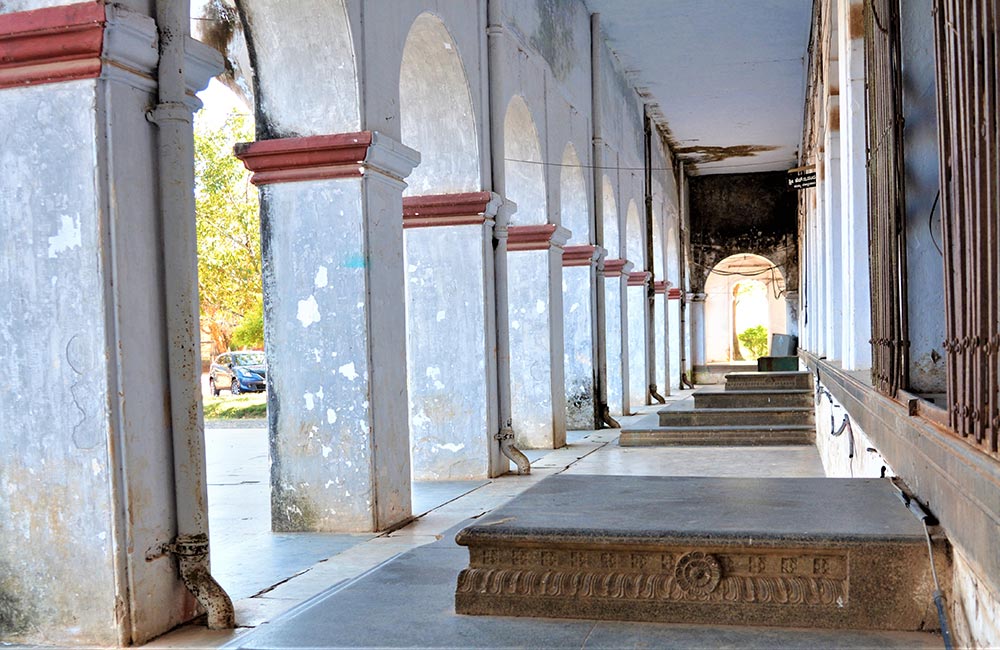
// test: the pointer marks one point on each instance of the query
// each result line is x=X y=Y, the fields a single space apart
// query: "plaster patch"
x=95 y=467
x=441 y=315
x=452 y=447
x=331 y=416
x=68 y=236
x=321 y=279
x=308 y=397
x=574 y=307
x=308 y=311
x=433 y=372
x=539 y=306
x=326 y=451
x=348 y=371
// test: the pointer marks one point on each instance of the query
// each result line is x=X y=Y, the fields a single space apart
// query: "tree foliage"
x=229 y=278
x=754 y=339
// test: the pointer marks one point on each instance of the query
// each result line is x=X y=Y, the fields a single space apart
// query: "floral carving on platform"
x=698 y=573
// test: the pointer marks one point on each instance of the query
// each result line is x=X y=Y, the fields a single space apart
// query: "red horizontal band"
x=311 y=158
x=446 y=209
x=638 y=278
x=660 y=286
x=530 y=238
x=51 y=44
x=674 y=293
x=614 y=267
x=579 y=255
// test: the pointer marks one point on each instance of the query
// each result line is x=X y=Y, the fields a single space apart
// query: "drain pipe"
x=494 y=61
x=177 y=210
x=597 y=225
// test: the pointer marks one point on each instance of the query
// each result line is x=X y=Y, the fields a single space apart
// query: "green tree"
x=227 y=205
x=755 y=340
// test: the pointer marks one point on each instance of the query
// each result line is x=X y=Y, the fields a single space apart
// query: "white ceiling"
x=726 y=76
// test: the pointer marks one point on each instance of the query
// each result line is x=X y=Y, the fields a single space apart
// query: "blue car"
x=238 y=372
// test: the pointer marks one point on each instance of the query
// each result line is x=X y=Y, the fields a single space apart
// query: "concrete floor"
x=396 y=590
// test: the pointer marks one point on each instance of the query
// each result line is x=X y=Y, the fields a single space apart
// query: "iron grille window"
x=968 y=106
x=886 y=231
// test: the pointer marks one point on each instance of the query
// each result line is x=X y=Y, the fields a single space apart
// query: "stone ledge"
x=822 y=553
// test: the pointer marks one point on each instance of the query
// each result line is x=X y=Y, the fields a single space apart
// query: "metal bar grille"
x=886 y=234
x=968 y=106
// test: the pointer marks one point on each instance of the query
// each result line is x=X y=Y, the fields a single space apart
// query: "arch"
x=523 y=168
x=634 y=236
x=304 y=85
x=573 y=197
x=721 y=318
x=435 y=111
x=611 y=240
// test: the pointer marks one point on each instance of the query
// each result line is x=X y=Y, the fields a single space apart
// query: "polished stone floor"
x=396 y=590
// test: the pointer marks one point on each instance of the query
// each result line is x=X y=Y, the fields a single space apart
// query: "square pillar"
x=335 y=333
x=87 y=494
x=451 y=336
x=615 y=273
x=638 y=317
x=661 y=324
x=579 y=282
x=537 y=378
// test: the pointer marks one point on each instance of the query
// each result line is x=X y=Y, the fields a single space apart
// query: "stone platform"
x=704 y=398
x=783 y=380
x=819 y=553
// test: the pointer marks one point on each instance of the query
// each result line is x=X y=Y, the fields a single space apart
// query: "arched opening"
x=575 y=213
x=524 y=171
x=304 y=85
x=435 y=111
x=446 y=316
x=634 y=237
x=744 y=306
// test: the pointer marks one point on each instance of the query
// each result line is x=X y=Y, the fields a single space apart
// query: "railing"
x=887 y=241
x=966 y=42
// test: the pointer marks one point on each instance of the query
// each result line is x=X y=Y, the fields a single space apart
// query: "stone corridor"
x=397 y=589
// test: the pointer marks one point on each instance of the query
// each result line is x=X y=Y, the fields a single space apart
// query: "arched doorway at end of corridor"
x=744 y=306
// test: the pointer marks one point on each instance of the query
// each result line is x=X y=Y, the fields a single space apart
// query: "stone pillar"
x=331 y=219
x=696 y=316
x=676 y=335
x=615 y=273
x=833 y=263
x=579 y=280
x=537 y=378
x=792 y=312
x=638 y=317
x=661 y=321
x=87 y=495
x=450 y=309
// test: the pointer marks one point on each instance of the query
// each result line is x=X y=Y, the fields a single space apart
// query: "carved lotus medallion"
x=698 y=573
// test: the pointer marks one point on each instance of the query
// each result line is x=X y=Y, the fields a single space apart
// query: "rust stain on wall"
x=856 y=21
x=711 y=154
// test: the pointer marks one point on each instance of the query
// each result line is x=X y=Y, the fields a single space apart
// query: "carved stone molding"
x=322 y=157
x=581 y=255
x=449 y=209
x=639 y=278
x=660 y=286
x=782 y=577
x=536 y=238
x=51 y=44
x=674 y=293
x=614 y=268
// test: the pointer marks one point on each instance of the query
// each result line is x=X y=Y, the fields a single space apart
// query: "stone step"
x=769 y=380
x=739 y=399
x=673 y=417
x=702 y=436
x=788 y=552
